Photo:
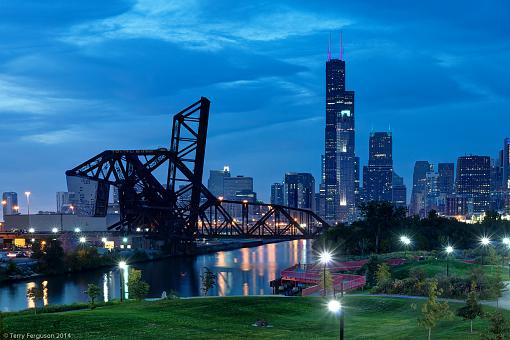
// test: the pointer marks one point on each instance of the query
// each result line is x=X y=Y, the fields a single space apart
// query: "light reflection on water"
x=244 y=271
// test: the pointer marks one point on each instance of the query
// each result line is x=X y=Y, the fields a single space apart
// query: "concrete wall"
x=44 y=223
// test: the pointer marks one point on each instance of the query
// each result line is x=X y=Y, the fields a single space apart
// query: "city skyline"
x=53 y=118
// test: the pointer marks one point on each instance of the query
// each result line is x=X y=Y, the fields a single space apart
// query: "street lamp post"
x=406 y=241
x=335 y=307
x=122 y=268
x=484 y=241
x=27 y=194
x=325 y=257
x=448 y=250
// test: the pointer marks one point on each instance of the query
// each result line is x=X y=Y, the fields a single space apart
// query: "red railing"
x=341 y=282
x=311 y=274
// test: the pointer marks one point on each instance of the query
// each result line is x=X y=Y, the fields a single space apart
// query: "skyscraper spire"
x=329 y=47
x=341 y=47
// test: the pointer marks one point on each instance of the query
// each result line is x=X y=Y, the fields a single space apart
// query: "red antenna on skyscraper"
x=341 y=47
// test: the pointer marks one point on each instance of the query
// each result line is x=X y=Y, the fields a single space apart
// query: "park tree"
x=208 y=280
x=433 y=311
x=379 y=218
x=34 y=294
x=472 y=309
x=37 y=251
x=498 y=327
x=137 y=288
x=93 y=292
x=371 y=270
x=497 y=285
x=383 y=274
x=52 y=261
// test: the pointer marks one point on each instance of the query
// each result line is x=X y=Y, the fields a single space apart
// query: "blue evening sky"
x=78 y=77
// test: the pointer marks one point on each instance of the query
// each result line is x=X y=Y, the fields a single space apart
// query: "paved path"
x=504 y=301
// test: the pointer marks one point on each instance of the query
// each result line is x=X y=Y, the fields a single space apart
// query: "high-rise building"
x=277 y=193
x=65 y=202
x=379 y=172
x=473 y=182
x=419 y=192
x=320 y=197
x=10 y=203
x=432 y=191
x=506 y=163
x=446 y=179
x=215 y=184
x=339 y=155
x=357 y=186
x=300 y=190
x=237 y=186
x=446 y=184
x=399 y=191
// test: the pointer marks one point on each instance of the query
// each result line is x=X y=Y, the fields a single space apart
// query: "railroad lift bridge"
x=161 y=194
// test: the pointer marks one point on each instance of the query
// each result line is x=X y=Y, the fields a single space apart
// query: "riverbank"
x=208 y=247
x=367 y=317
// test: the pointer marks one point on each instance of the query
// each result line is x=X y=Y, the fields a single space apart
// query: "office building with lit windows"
x=339 y=157
x=473 y=182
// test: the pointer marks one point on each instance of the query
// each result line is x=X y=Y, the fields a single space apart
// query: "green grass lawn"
x=232 y=318
x=438 y=267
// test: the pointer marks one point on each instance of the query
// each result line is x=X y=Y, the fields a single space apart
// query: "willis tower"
x=339 y=157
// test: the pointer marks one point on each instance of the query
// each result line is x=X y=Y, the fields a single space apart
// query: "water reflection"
x=245 y=271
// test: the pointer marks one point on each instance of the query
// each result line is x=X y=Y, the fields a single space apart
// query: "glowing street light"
x=449 y=249
x=506 y=240
x=484 y=241
x=31 y=230
x=83 y=239
x=54 y=230
x=124 y=239
x=77 y=230
x=406 y=241
x=325 y=257
x=335 y=307
x=122 y=267
x=104 y=239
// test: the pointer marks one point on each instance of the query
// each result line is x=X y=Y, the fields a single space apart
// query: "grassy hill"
x=367 y=317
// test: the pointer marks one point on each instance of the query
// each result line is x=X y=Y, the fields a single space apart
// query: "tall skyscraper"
x=473 y=181
x=432 y=191
x=399 y=191
x=215 y=182
x=506 y=163
x=10 y=203
x=419 y=192
x=379 y=172
x=339 y=155
x=446 y=179
x=446 y=184
x=277 y=193
x=300 y=190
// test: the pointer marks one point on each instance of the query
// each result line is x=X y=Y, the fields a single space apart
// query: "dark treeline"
x=381 y=225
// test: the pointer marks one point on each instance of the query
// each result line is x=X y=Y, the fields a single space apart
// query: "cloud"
x=54 y=137
x=191 y=24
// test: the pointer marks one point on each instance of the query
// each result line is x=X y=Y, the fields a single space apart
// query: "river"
x=245 y=271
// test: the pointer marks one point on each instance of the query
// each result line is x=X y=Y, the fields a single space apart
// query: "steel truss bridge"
x=179 y=209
